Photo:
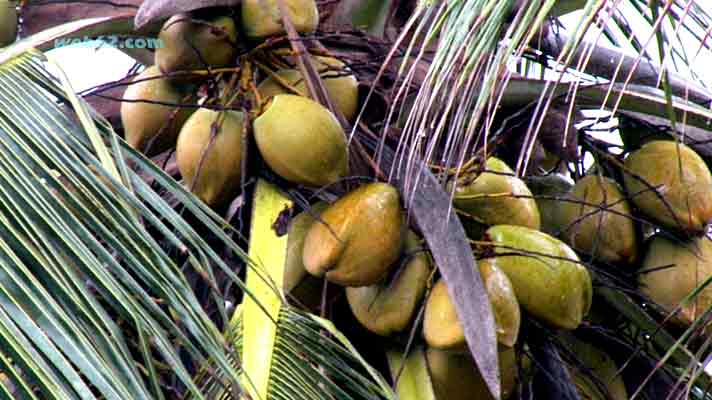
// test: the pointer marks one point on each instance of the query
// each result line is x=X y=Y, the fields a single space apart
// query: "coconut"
x=359 y=238
x=672 y=270
x=8 y=22
x=301 y=141
x=209 y=154
x=294 y=271
x=388 y=306
x=548 y=279
x=593 y=372
x=262 y=18
x=339 y=82
x=297 y=282
x=149 y=124
x=442 y=328
x=455 y=376
x=671 y=184
x=546 y=190
x=192 y=44
x=496 y=196
x=605 y=229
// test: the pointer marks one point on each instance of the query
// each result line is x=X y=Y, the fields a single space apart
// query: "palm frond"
x=472 y=43
x=83 y=279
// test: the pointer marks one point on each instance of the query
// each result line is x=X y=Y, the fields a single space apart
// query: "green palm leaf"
x=82 y=279
x=91 y=304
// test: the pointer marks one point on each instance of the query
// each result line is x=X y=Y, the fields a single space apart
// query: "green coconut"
x=192 y=44
x=359 y=238
x=593 y=369
x=604 y=229
x=671 y=184
x=442 y=328
x=298 y=227
x=547 y=190
x=209 y=154
x=672 y=270
x=454 y=375
x=302 y=141
x=301 y=286
x=150 y=127
x=262 y=18
x=496 y=197
x=339 y=82
x=8 y=22
x=388 y=307
x=548 y=279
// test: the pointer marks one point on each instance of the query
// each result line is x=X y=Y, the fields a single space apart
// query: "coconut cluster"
x=532 y=237
x=362 y=242
x=165 y=107
x=665 y=184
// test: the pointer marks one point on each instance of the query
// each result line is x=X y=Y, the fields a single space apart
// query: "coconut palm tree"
x=117 y=282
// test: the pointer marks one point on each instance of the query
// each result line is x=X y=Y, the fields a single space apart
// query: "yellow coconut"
x=151 y=127
x=262 y=18
x=496 y=197
x=209 y=154
x=8 y=22
x=605 y=229
x=389 y=306
x=301 y=141
x=681 y=179
x=359 y=238
x=339 y=82
x=441 y=325
x=192 y=44
x=547 y=277
x=672 y=270
x=455 y=376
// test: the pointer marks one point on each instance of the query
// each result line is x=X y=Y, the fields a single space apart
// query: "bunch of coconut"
x=538 y=231
x=649 y=218
x=299 y=139
x=665 y=184
x=671 y=184
x=532 y=239
x=362 y=243
x=525 y=272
